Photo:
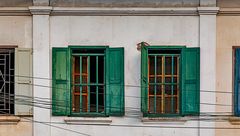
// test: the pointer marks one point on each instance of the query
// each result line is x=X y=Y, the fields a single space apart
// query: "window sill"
x=234 y=120
x=168 y=120
x=88 y=121
x=9 y=120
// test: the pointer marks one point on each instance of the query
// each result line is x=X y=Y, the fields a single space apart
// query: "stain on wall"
x=228 y=3
x=125 y=3
x=15 y=3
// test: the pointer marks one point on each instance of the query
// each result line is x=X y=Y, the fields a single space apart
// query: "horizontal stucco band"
x=64 y=11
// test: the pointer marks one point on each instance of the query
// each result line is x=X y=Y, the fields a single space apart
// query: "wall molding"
x=229 y=11
x=14 y=11
x=78 y=11
x=40 y=10
x=124 y=11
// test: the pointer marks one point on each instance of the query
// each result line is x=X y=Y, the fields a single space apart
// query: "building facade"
x=119 y=67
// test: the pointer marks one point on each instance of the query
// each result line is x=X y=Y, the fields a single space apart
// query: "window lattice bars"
x=163 y=83
x=88 y=70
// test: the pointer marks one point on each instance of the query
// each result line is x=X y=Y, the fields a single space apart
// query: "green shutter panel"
x=115 y=81
x=60 y=82
x=23 y=81
x=144 y=79
x=190 y=81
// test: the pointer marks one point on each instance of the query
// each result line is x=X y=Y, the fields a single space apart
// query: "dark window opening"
x=88 y=81
x=6 y=81
x=163 y=79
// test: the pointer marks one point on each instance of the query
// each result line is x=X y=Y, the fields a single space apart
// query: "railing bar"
x=97 y=83
x=80 y=68
x=4 y=76
x=155 y=81
x=163 y=81
x=172 y=85
x=88 y=82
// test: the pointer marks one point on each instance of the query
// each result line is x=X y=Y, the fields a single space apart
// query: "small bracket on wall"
x=140 y=44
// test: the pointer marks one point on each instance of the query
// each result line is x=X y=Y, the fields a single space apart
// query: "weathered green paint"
x=190 y=80
x=172 y=83
x=144 y=78
x=113 y=81
x=80 y=69
x=155 y=81
x=189 y=68
x=96 y=83
x=60 y=82
x=115 y=91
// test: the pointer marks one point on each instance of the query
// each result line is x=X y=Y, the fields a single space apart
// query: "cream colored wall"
x=22 y=128
x=16 y=31
x=228 y=35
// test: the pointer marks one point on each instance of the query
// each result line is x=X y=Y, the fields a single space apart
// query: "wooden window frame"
x=88 y=113
x=168 y=48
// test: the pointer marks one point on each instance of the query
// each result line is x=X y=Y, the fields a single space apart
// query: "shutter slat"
x=115 y=92
x=60 y=82
x=190 y=81
x=23 y=81
x=144 y=78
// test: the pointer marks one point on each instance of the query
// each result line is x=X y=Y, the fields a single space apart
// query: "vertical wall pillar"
x=41 y=68
x=208 y=66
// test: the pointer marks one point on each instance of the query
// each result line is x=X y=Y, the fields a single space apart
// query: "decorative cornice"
x=73 y=11
x=229 y=11
x=14 y=11
x=208 y=10
x=9 y=120
x=40 y=10
x=124 y=11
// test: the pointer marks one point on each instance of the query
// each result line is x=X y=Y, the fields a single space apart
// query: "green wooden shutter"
x=144 y=78
x=190 y=81
x=60 y=82
x=115 y=81
x=23 y=81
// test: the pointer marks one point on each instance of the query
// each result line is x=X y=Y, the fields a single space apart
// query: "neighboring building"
x=228 y=102
x=110 y=67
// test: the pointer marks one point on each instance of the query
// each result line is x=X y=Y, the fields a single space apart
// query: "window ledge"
x=170 y=120
x=9 y=120
x=86 y=120
x=234 y=120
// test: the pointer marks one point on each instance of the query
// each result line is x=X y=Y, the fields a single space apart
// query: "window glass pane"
x=93 y=69
x=159 y=65
x=151 y=66
x=151 y=104
x=168 y=105
x=101 y=99
x=159 y=105
x=168 y=65
x=175 y=64
x=151 y=90
x=93 y=101
x=100 y=69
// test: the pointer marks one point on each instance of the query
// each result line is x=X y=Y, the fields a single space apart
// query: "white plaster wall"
x=16 y=31
x=125 y=31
